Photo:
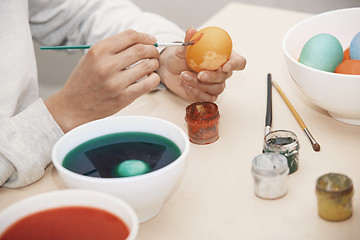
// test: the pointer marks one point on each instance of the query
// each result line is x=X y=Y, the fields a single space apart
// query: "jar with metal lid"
x=270 y=172
x=203 y=122
x=334 y=193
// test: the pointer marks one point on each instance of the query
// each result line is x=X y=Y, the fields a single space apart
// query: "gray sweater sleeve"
x=27 y=130
x=69 y=22
x=27 y=139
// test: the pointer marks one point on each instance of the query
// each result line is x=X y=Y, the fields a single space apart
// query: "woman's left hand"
x=203 y=86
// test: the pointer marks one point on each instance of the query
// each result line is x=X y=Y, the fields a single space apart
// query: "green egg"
x=132 y=167
x=323 y=52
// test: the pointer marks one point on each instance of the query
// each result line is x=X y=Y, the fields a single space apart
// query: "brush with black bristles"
x=268 y=117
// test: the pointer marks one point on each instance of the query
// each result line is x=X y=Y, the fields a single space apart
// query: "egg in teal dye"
x=354 y=49
x=132 y=167
x=323 y=52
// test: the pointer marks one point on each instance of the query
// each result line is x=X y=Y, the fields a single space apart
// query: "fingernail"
x=153 y=38
x=191 y=27
x=202 y=75
x=185 y=76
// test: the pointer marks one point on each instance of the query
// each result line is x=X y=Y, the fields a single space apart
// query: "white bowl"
x=339 y=94
x=145 y=193
x=61 y=198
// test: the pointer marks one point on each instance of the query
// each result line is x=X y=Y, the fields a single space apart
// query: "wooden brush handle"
x=290 y=106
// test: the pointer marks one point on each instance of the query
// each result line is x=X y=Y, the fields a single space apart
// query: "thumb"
x=190 y=32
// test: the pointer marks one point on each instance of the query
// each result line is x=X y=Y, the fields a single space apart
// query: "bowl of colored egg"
x=69 y=214
x=322 y=54
x=136 y=158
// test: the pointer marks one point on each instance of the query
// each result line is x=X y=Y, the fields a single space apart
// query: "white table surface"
x=214 y=198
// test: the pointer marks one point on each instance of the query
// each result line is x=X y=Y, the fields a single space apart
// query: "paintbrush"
x=192 y=42
x=314 y=144
x=268 y=117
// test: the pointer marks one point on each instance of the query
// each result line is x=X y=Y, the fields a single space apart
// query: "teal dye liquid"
x=100 y=157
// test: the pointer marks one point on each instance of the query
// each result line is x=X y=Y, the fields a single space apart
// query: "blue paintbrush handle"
x=65 y=47
x=89 y=46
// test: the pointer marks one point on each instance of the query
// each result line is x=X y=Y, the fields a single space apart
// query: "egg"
x=355 y=47
x=349 y=67
x=346 y=54
x=323 y=52
x=132 y=167
x=211 y=51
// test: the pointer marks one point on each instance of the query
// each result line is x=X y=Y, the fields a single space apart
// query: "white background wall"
x=194 y=12
x=55 y=67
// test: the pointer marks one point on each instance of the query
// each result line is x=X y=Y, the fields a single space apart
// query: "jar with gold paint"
x=334 y=193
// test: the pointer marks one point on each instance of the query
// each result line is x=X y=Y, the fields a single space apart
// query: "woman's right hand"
x=103 y=82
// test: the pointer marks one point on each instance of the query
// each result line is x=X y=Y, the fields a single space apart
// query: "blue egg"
x=132 y=167
x=323 y=52
x=354 y=49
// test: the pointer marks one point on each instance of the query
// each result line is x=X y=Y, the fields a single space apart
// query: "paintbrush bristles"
x=314 y=144
x=316 y=147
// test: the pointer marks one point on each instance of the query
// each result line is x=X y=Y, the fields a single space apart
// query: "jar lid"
x=281 y=140
x=270 y=163
x=334 y=183
x=202 y=111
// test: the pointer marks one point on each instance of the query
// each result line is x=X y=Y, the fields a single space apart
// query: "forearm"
x=26 y=142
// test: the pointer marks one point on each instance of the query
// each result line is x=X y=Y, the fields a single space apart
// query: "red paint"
x=203 y=122
x=68 y=223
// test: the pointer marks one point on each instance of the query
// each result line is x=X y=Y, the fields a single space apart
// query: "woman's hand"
x=103 y=81
x=192 y=86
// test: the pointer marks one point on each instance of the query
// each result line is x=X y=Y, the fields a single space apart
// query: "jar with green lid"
x=286 y=143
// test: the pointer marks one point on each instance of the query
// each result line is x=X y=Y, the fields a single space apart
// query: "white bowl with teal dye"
x=338 y=94
x=145 y=193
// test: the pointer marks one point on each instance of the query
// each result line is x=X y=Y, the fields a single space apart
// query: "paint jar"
x=334 y=196
x=286 y=143
x=203 y=122
x=270 y=172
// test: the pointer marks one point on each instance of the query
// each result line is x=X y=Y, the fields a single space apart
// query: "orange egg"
x=211 y=51
x=349 y=67
x=346 y=54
